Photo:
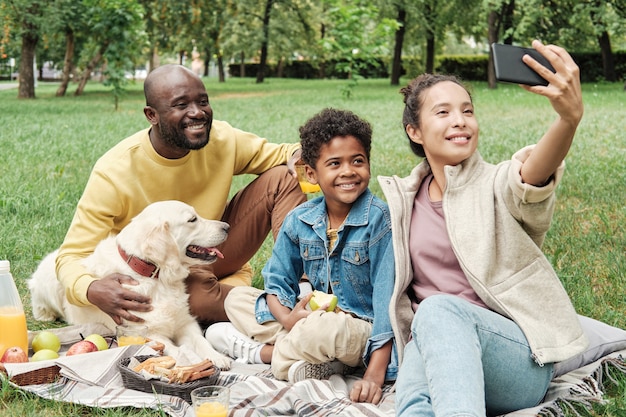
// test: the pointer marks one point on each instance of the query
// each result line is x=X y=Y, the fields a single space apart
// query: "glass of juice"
x=210 y=401
x=131 y=334
x=305 y=185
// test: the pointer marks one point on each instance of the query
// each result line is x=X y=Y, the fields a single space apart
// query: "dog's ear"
x=160 y=248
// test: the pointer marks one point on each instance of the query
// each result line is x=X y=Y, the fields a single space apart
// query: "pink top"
x=436 y=269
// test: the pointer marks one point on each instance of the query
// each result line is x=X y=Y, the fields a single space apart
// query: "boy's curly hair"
x=328 y=124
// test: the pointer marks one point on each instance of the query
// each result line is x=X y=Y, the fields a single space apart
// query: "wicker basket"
x=39 y=376
x=134 y=380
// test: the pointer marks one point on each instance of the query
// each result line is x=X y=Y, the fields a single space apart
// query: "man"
x=185 y=155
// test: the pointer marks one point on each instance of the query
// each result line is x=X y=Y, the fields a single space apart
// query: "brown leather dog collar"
x=143 y=268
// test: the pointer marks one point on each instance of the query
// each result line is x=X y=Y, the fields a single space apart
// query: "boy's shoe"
x=302 y=370
x=226 y=339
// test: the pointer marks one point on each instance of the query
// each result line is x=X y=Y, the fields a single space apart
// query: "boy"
x=341 y=243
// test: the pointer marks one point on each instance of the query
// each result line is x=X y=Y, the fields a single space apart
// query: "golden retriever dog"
x=161 y=242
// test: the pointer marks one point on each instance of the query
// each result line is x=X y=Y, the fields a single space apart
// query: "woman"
x=484 y=312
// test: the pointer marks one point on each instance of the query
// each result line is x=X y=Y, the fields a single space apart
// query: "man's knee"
x=283 y=194
x=206 y=296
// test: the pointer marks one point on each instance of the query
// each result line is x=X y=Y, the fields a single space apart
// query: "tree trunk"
x=260 y=76
x=280 y=67
x=67 y=63
x=153 y=61
x=242 y=64
x=430 y=51
x=430 y=16
x=507 y=22
x=493 y=24
x=322 y=71
x=87 y=73
x=396 y=66
x=26 y=87
x=608 y=64
x=220 y=68
x=207 y=61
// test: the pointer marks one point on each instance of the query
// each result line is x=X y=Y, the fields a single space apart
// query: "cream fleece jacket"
x=496 y=224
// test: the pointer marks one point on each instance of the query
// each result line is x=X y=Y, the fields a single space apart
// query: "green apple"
x=44 y=355
x=98 y=340
x=46 y=340
x=320 y=298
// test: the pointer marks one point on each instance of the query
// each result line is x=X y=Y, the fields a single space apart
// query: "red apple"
x=14 y=354
x=84 y=346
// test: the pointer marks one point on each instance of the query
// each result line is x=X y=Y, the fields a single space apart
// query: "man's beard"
x=176 y=137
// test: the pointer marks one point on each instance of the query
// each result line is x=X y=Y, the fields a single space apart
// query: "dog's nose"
x=226 y=228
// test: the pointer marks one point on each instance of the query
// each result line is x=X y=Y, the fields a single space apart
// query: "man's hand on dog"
x=110 y=296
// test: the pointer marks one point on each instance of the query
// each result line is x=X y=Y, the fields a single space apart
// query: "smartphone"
x=510 y=68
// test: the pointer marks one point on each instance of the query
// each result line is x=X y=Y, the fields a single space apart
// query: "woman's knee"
x=437 y=307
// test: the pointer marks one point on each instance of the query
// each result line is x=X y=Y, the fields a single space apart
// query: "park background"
x=69 y=105
x=113 y=41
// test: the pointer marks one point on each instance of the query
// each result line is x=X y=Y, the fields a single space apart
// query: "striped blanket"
x=93 y=380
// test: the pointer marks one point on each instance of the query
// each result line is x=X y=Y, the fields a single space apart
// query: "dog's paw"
x=44 y=315
x=221 y=361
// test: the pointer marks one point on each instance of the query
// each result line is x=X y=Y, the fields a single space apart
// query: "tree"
x=166 y=24
x=209 y=18
x=70 y=25
x=115 y=26
x=603 y=17
x=396 y=63
x=354 y=37
x=257 y=23
x=574 y=24
x=267 y=13
x=268 y=7
x=25 y=17
x=437 y=17
x=499 y=24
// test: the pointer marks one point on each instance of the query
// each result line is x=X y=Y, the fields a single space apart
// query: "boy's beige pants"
x=319 y=338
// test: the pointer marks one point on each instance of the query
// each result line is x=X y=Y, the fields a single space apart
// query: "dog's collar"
x=143 y=268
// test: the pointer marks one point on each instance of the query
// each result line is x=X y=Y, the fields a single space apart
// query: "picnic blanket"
x=93 y=380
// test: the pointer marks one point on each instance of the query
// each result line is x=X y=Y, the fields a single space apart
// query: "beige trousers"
x=321 y=337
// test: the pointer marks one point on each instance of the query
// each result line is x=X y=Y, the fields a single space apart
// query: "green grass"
x=48 y=146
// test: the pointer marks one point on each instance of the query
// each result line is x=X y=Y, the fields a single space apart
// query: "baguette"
x=165 y=366
x=182 y=374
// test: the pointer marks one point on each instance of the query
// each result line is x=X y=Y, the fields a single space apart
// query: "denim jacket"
x=359 y=269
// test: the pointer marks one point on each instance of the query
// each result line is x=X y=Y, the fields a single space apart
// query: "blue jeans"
x=465 y=360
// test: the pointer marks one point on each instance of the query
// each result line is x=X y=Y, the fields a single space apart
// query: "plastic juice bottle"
x=13 y=330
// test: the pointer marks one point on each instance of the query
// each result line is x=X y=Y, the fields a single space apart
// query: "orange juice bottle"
x=13 y=331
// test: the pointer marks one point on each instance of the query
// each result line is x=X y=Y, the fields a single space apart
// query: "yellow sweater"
x=131 y=175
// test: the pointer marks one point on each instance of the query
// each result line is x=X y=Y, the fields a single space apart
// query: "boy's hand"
x=365 y=391
x=298 y=313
